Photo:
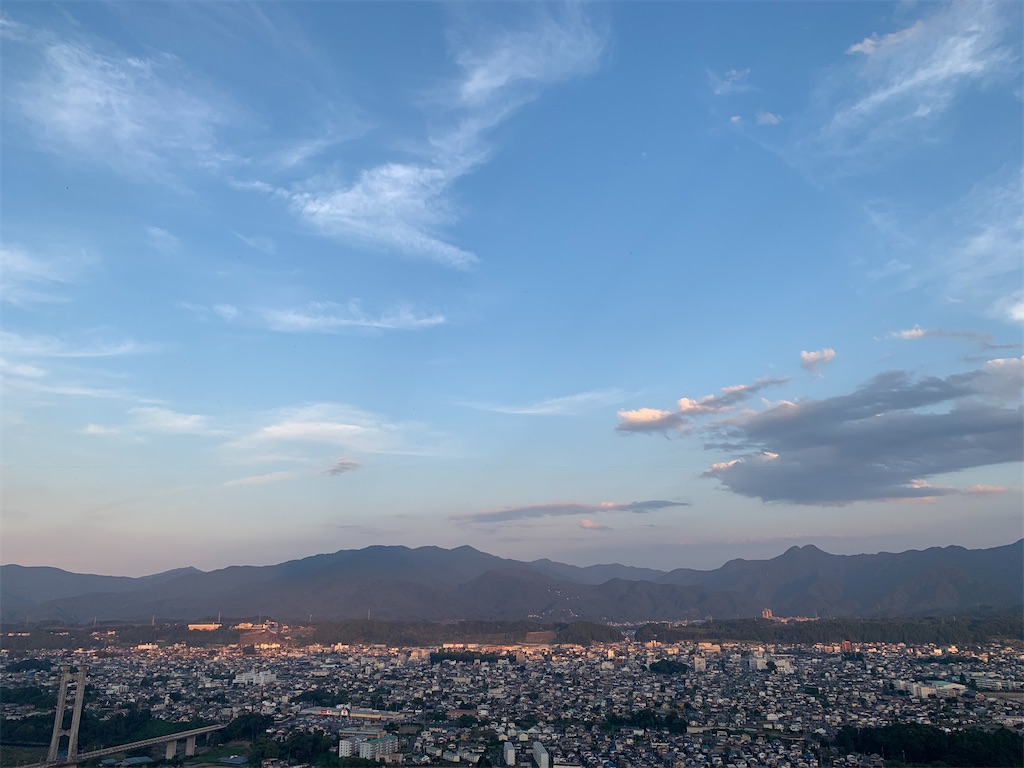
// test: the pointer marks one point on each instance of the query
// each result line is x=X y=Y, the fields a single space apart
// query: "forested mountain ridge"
x=435 y=584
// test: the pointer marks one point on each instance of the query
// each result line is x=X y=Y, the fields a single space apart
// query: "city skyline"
x=602 y=283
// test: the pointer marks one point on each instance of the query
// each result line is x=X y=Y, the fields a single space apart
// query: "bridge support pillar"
x=172 y=749
x=59 y=730
x=190 y=746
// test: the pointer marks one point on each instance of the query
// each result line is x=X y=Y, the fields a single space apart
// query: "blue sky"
x=661 y=284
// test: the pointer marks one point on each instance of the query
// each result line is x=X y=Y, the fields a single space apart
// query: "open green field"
x=214 y=754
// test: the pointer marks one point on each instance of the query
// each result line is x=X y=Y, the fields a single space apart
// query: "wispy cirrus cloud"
x=969 y=249
x=568 y=509
x=225 y=312
x=557 y=406
x=138 y=116
x=405 y=206
x=40 y=346
x=262 y=244
x=27 y=278
x=984 y=340
x=329 y=317
x=902 y=82
x=667 y=421
x=339 y=467
x=265 y=478
x=153 y=420
x=979 y=242
x=47 y=365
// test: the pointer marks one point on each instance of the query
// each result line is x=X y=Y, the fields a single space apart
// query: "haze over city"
x=660 y=284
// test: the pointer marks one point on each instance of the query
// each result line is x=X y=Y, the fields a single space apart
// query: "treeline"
x=420 y=633
x=316 y=748
x=467 y=657
x=30 y=665
x=416 y=633
x=926 y=745
x=647 y=718
x=347 y=632
x=134 y=725
x=587 y=633
x=58 y=637
x=30 y=695
x=937 y=630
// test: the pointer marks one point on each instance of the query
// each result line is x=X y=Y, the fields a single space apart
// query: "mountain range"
x=434 y=584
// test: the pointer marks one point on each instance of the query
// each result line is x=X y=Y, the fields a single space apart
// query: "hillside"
x=435 y=584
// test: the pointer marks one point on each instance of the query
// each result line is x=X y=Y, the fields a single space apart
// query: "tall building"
x=349 y=747
x=540 y=755
x=376 y=749
x=255 y=678
x=510 y=753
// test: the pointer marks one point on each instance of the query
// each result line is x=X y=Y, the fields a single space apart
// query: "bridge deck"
x=82 y=757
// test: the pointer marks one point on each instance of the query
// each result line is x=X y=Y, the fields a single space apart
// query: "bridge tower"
x=59 y=730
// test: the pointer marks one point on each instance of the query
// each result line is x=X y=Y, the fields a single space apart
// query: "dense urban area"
x=545 y=701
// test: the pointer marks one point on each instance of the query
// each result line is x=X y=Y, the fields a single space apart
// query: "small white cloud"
x=721 y=466
x=165 y=421
x=736 y=120
x=590 y=525
x=812 y=361
x=1010 y=307
x=98 y=429
x=985 y=490
x=307 y=429
x=162 y=240
x=650 y=420
x=270 y=477
x=732 y=81
x=768 y=118
x=226 y=311
x=917 y=332
x=874 y=43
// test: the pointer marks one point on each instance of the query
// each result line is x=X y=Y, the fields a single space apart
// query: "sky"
x=661 y=284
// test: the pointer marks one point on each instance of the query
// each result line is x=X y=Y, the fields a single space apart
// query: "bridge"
x=72 y=690
x=171 y=740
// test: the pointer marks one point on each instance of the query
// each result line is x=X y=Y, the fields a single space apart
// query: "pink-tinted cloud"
x=813 y=361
